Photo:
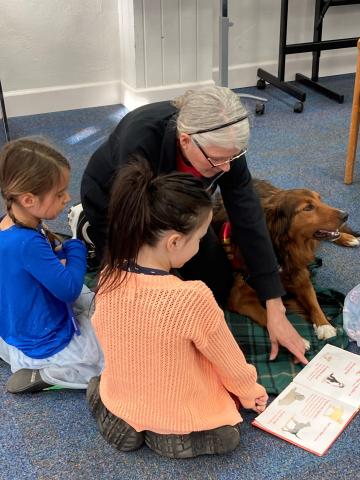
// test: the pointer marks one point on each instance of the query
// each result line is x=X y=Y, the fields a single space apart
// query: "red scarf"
x=225 y=239
x=183 y=165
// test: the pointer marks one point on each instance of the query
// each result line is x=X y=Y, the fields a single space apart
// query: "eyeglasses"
x=215 y=163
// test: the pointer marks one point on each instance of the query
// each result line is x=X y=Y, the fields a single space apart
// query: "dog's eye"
x=308 y=207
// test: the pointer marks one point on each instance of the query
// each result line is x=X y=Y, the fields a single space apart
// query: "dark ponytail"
x=142 y=206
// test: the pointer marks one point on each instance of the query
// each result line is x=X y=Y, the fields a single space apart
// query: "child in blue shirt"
x=45 y=332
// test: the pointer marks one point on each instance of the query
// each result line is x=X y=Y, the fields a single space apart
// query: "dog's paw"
x=348 y=240
x=307 y=344
x=352 y=241
x=325 y=331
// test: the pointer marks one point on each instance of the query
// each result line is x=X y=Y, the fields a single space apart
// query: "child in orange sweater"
x=172 y=366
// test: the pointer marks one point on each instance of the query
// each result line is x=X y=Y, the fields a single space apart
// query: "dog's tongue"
x=327 y=235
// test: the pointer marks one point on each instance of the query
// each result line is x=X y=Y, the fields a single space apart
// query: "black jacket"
x=151 y=131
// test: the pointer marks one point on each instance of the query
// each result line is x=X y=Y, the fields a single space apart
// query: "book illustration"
x=312 y=423
x=335 y=370
x=335 y=413
x=331 y=380
x=293 y=426
x=322 y=399
x=291 y=397
x=327 y=356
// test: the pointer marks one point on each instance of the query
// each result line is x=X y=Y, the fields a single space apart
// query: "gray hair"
x=209 y=108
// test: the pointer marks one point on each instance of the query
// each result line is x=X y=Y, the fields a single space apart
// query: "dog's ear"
x=278 y=214
x=219 y=214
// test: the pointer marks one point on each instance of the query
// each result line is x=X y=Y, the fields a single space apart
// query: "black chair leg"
x=4 y=116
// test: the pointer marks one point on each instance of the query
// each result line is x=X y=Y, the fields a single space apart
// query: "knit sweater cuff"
x=248 y=401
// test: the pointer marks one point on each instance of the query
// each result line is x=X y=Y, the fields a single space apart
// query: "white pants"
x=351 y=314
x=73 y=366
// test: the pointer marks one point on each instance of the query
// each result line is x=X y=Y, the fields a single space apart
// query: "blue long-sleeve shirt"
x=35 y=290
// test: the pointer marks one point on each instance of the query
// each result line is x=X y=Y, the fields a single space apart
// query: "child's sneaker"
x=115 y=430
x=210 y=442
x=26 y=381
x=80 y=226
x=93 y=395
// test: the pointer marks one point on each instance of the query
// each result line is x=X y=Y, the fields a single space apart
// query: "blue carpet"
x=52 y=435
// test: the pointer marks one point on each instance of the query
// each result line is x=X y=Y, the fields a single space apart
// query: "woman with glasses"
x=204 y=132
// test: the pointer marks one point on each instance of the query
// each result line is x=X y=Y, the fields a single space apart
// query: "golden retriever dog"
x=297 y=220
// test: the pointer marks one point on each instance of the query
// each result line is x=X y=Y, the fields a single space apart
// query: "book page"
x=305 y=417
x=333 y=372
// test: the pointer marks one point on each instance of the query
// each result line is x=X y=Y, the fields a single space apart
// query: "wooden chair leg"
x=354 y=125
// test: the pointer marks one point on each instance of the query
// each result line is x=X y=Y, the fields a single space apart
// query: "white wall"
x=254 y=38
x=56 y=54
x=175 y=41
x=61 y=54
x=172 y=48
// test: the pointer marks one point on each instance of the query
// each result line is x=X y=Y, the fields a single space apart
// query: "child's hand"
x=260 y=403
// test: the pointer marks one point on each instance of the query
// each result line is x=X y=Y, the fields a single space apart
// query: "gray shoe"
x=92 y=395
x=209 y=442
x=115 y=430
x=26 y=381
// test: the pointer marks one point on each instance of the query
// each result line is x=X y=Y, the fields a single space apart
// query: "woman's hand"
x=281 y=332
x=260 y=403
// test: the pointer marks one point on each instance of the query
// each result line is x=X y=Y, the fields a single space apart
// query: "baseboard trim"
x=70 y=97
x=59 y=98
x=331 y=63
x=134 y=97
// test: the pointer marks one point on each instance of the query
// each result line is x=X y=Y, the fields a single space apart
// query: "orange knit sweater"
x=170 y=358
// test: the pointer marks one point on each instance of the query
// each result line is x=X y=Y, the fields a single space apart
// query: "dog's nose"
x=343 y=215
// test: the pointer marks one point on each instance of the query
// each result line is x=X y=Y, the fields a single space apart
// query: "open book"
x=316 y=407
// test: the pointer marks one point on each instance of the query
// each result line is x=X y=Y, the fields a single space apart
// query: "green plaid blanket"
x=254 y=340
x=255 y=344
